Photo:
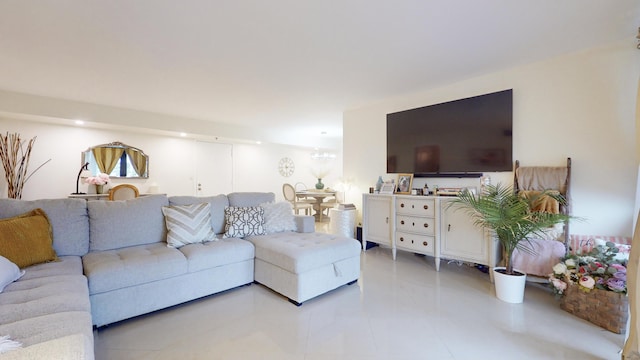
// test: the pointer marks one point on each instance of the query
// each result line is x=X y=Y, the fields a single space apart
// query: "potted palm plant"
x=511 y=218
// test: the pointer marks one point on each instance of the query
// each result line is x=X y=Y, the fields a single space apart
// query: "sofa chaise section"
x=301 y=264
x=48 y=310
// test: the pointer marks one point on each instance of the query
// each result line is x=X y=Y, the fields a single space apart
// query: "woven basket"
x=607 y=309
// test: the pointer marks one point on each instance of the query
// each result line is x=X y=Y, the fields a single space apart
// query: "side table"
x=343 y=222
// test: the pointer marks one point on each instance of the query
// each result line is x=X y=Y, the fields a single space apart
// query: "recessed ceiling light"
x=183 y=134
x=258 y=142
x=79 y=122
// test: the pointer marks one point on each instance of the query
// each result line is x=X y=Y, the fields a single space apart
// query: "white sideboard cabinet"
x=377 y=213
x=426 y=225
x=415 y=221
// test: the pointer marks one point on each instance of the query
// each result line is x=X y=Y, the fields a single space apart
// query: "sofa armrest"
x=305 y=223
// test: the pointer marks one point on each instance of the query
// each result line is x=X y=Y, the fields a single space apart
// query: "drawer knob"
x=424 y=243
x=412 y=241
x=426 y=207
x=401 y=238
x=426 y=225
x=413 y=206
x=413 y=224
x=402 y=205
x=401 y=222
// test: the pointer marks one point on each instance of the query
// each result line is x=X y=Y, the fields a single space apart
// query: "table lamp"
x=84 y=167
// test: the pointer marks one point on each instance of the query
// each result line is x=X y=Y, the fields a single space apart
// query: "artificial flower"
x=600 y=269
x=559 y=285
x=571 y=263
x=616 y=284
x=587 y=282
x=100 y=179
x=559 y=268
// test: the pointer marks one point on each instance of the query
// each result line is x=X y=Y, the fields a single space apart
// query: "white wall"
x=580 y=105
x=171 y=161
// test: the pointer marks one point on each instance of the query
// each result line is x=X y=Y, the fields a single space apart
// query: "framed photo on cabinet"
x=387 y=188
x=404 y=184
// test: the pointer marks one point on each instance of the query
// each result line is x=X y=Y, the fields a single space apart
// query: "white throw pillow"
x=278 y=217
x=188 y=224
x=9 y=272
x=243 y=221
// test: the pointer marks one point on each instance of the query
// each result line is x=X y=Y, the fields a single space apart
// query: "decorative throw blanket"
x=7 y=344
x=548 y=253
x=542 y=177
x=542 y=203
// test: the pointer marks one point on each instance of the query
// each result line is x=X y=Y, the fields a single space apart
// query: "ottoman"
x=302 y=266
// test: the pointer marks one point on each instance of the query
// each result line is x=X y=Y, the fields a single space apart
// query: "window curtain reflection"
x=138 y=160
x=107 y=158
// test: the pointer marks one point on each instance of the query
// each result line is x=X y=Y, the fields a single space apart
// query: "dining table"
x=319 y=196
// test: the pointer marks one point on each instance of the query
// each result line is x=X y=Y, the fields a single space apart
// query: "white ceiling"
x=291 y=64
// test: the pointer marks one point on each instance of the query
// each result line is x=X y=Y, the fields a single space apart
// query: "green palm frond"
x=508 y=216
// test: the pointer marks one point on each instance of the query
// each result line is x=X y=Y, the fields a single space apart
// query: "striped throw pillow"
x=188 y=224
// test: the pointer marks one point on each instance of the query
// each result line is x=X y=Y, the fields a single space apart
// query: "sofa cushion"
x=68 y=218
x=50 y=301
x=245 y=199
x=9 y=272
x=217 y=253
x=188 y=224
x=27 y=239
x=39 y=329
x=123 y=223
x=243 y=221
x=114 y=269
x=66 y=265
x=301 y=252
x=278 y=217
x=217 y=204
x=46 y=295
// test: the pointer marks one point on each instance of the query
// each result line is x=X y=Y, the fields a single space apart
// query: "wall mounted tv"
x=464 y=137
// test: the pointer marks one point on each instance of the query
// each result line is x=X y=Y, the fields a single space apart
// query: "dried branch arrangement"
x=15 y=160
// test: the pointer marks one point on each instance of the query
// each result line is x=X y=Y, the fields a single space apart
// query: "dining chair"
x=123 y=192
x=331 y=203
x=300 y=186
x=289 y=193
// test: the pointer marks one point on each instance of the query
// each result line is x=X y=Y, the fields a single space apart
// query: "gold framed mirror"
x=118 y=160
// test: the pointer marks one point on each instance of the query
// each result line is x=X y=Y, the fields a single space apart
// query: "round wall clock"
x=286 y=167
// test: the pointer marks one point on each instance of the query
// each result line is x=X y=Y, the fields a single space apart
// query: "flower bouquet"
x=593 y=286
x=99 y=181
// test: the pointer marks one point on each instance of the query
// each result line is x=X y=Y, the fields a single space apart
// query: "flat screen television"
x=463 y=137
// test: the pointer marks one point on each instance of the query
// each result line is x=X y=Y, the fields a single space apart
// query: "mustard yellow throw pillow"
x=27 y=239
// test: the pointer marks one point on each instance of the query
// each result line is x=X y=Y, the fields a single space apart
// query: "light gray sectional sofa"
x=115 y=264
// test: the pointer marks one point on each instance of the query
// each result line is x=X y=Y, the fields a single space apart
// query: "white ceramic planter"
x=509 y=288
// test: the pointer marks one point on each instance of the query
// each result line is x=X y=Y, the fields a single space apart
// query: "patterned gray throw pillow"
x=243 y=221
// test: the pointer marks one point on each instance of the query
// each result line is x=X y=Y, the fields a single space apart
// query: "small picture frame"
x=404 y=184
x=387 y=188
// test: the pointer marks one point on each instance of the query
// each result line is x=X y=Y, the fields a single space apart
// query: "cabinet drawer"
x=414 y=224
x=417 y=243
x=417 y=206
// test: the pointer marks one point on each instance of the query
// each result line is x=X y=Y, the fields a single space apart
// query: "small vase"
x=319 y=185
x=379 y=184
x=99 y=189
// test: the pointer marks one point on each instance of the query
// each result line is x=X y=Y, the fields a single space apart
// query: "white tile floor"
x=397 y=310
